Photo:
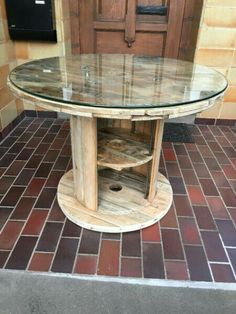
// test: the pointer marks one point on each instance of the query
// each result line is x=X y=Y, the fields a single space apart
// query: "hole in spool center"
x=115 y=187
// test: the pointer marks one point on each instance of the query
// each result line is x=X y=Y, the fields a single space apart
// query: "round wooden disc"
x=121 y=206
x=119 y=148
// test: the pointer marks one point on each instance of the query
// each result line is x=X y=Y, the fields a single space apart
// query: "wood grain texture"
x=74 y=25
x=175 y=22
x=156 y=159
x=86 y=10
x=190 y=29
x=145 y=26
x=153 y=40
x=110 y=9
x=121 y=211
x=119 y=149
x=84 y=157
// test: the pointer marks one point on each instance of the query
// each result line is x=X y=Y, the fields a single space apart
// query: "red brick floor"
x=195 y=241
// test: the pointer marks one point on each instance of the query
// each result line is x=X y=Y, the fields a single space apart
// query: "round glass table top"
x=118 y=81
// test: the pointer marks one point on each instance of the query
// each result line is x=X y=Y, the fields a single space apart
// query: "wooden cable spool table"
x=117 y=106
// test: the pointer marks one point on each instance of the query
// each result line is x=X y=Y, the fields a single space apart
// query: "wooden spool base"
x=118 y=211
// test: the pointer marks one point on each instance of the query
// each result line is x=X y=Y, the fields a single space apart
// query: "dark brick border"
x=207 y=121
x=204 y=121
x=26 y=113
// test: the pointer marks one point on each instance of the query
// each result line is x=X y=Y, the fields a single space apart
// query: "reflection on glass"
x=118 y=81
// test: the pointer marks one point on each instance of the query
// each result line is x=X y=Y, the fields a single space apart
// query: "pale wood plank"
x=84 y=155
x=156 y=159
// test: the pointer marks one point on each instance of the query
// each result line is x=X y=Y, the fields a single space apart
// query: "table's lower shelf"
x=121 y=203
x=119 y=149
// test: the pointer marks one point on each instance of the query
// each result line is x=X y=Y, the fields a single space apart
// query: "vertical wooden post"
x=86 y=30
x=175 y=23
x=156 y=159
x=84 y=155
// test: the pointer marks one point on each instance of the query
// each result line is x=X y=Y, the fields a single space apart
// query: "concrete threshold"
x=24 y=292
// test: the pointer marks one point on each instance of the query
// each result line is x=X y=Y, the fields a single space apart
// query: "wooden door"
x=107 y=17
x=123 y=26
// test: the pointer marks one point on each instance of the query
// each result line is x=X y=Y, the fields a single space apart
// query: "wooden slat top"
x=118 y=81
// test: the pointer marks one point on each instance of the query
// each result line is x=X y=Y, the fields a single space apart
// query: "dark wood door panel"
x=191 y=22
x=74 y=23
x=152 y=2
x=111 y=9
x=116 y=9
x=151 y=44
x=175 y=22
x=110 y=25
